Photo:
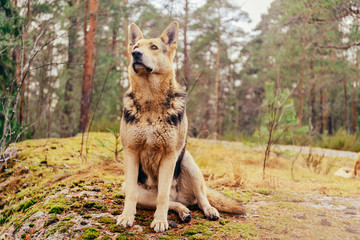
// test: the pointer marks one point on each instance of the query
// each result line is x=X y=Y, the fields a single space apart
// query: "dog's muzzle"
x=138 y=62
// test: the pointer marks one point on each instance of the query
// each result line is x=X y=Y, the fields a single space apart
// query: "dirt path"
x=317 y=151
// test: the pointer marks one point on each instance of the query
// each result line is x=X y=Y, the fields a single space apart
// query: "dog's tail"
x=357 y=166
x=224 y=203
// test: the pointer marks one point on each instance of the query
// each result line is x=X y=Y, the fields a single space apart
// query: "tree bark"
x=186 y=56
x=89 y=41
x=354 y=96
x=321 y=129
x=67 y=125
x=301 y=83
x=324 y=109
x=346 y=108
x=217 y=75
x=312 y=101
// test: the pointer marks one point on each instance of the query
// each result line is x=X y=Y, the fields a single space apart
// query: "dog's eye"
x=153 y=47
x=136 y=47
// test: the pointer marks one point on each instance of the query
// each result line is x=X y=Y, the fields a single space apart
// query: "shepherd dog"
x=159 y=173
x=346 y=172
x=357 y=166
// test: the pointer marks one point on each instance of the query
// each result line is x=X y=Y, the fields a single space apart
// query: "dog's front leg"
x=131 y=162
x=166 y=173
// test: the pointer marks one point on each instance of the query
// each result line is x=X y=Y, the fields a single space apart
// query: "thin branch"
x=347 y=46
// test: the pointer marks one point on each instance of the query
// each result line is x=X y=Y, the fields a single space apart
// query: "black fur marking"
x=149 y=121
x=171 y=35
x=180 y=95
x=134 y=36
x=131 y=95
x=170 y=96
x=128 y=117
x=136 y=103
x=142 y=177
x=164 y=50
x=175 y=119
x=178 y=163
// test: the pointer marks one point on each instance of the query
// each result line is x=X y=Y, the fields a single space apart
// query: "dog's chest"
x=153 y=125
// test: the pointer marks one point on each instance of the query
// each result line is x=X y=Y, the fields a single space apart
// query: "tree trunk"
x=217 y=76
x=321 y=130
x=67 y=125
x=301 y=83
x=324 y=109
x=126 y=29
x=312 y=101
x=17 y=59
x=354 y=96
x=329 y=119
x=346 y=109
x=186 y=56
x=89 y=41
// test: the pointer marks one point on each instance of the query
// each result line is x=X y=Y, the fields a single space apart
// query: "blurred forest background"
x=63 y=68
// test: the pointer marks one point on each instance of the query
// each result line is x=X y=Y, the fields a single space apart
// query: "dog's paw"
x=185 y=216
x=159 y=225
x=125 y=221
x=212 y=214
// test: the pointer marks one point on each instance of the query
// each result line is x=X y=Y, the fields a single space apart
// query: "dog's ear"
x=134 y=34
x=170 y=34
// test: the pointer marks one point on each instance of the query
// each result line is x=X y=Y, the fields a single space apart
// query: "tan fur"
x=350 y=172
x=357 y=166
x=159 y=173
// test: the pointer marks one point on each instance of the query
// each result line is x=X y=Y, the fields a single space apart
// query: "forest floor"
x=49 y=192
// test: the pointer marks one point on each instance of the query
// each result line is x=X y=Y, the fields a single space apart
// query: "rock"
x=137 y=228
x=299 y=216
x=325 y=222
x=173 y=224
x=353 y=230
x=350 y=212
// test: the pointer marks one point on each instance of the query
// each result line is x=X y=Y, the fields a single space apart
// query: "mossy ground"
x=51 y=192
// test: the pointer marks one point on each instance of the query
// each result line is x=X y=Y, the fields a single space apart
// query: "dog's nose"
x=137 y=54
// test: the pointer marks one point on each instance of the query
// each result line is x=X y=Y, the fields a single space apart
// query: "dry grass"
x=46 y=167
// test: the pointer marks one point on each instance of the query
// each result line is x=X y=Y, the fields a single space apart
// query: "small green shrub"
x=341 y=140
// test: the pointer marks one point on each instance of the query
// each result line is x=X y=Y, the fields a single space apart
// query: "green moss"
x=121 y=238
x=106 y=220
x=105 y=238
x=53 y=219
x=25 y=205
x=245 y=231
x=58 y=209
x=4 y=216
x=96 y=205
x=223 y=221
x=23 y=236
x=169 y=237
x=87 y=216
x=31 y=224
x=265 y=191
x=90 y=233
x=117 y=228
x=198 y=229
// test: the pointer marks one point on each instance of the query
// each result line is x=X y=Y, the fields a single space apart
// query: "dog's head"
x=154 y=55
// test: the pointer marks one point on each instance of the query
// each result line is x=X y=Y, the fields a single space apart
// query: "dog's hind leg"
x=193 y=178
x=147 y=199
